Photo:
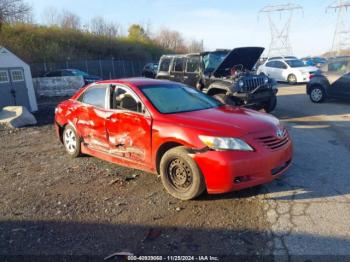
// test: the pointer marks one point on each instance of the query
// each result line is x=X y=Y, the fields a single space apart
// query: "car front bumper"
x=226 y=171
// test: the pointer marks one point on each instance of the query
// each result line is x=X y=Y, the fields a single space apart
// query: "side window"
x=192 y=64
x=164 y=65
x=95 y=95
x=270 y=64
x=125 y=100
x=17 y=75
x=280 y=65
x=178 y=64
x=67 y=73
x=4 y=78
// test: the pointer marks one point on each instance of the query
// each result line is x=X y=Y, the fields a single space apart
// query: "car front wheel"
x=317 y=94
x=71 y=141
x=180 y=174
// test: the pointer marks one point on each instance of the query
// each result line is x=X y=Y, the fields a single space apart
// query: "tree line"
x=64 y=35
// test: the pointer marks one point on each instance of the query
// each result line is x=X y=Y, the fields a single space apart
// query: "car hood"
x=227 y=121
x=245 y=56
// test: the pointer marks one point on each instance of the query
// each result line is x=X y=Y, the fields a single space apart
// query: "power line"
x=341 y=38
x=280 y=42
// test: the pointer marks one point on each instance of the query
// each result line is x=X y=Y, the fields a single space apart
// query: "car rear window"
x=95 y=95
x=179 y=64
x=192 y=64
x=164 y=65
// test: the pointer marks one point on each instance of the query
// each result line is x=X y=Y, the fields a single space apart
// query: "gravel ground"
x=54 y=205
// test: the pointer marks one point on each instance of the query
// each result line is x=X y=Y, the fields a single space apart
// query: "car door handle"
x=172 y=76
x=185 y=77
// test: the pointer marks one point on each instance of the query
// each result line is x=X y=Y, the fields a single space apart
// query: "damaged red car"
x=193 y=141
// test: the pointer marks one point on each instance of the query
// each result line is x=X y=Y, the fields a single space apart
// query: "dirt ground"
x=54 y=205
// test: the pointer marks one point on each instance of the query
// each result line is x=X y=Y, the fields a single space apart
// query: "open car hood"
x=245 y=56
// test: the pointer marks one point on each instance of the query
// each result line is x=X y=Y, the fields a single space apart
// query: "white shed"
x=16 y=84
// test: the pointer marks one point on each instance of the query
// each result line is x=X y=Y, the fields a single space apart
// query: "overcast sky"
x=219 y=23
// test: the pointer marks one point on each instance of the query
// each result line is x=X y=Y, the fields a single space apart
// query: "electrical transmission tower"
x=341 y=38
x=280 y=43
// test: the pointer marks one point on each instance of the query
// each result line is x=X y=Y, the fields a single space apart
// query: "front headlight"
x=225 y=143
x=240 y=83
x=266 y=80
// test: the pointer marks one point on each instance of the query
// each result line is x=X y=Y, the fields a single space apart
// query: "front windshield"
x=213 y=60
x=295 y=63
x=176 y=98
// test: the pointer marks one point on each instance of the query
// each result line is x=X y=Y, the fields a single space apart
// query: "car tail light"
x=311 y=76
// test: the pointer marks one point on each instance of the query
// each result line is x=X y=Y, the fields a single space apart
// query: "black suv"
x=224 y=74
x=331 y=81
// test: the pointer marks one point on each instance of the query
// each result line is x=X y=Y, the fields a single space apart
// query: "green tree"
x=137 y=32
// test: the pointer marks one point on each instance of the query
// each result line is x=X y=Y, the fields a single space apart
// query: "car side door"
x=339 y=77
x=129 y=127
x=91 y=116
x=191 y=74
x=177 y=70
x=279 y=71
x=270 y=69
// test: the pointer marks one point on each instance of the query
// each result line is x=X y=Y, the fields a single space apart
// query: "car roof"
x=136 y=81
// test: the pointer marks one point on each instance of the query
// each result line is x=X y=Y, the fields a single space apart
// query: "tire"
x=71 y=141
x=317 y=94
x=227 y=100
x=180 y=174
x=271 y=105
x=292 y=79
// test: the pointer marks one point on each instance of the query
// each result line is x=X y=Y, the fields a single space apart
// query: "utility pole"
x=280 y=42
x=341 y=38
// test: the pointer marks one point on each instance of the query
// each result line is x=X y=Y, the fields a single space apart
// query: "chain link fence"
x=107 y=69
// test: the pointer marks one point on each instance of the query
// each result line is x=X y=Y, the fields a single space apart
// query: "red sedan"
x=194 y=142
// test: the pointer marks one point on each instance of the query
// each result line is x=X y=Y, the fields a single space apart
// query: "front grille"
x=250 y=83
x=273 y=142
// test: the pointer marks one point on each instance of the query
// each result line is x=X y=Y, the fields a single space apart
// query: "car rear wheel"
x=317 y=94
x=180 y=174
x=227 y=100
x=292 y=79
x=71 y=141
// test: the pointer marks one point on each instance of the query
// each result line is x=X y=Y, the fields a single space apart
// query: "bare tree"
x=171 y=40
x=195 y=46
x=51 y=16
x=99 y=26
x=70 y=20
x=13 y=11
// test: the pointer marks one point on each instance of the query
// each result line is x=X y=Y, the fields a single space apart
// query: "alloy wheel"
x=316 y=94
x=70 y=140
